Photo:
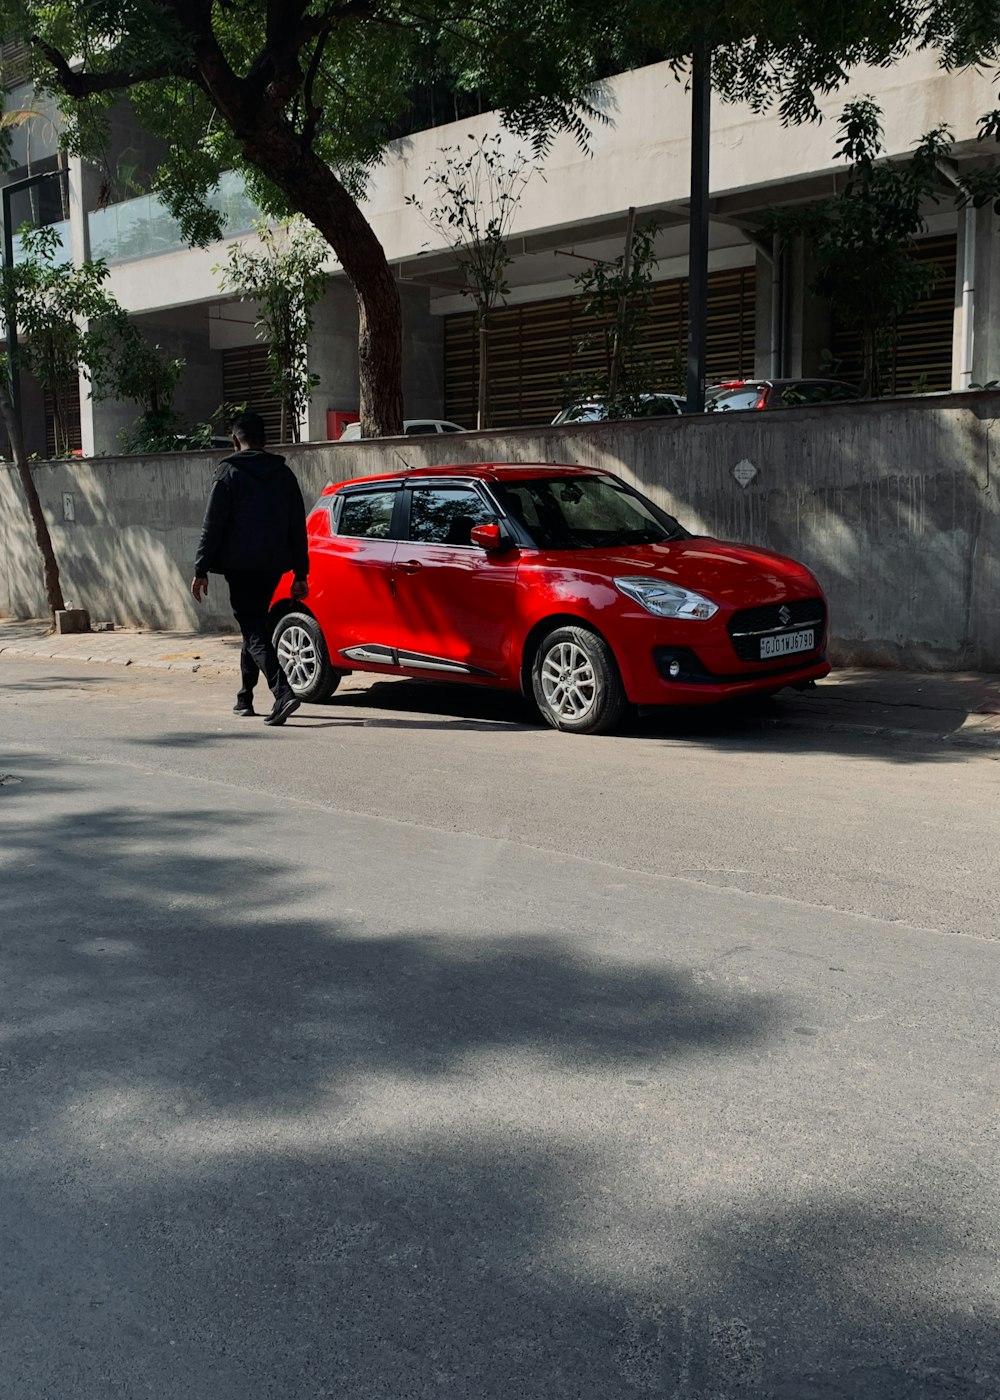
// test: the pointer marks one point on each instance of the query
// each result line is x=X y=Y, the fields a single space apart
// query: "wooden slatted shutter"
x=71 y=410
x=15 y=63
x=537 y=350
x=246 y=379
x=921 y=357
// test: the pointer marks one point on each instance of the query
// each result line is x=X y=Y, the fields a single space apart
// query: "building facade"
x=763 y=320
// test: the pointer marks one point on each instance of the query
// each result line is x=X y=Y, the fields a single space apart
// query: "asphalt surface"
x=953 y=707
x=413 y=1050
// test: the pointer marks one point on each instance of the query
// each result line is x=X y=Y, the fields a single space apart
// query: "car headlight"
x=667 y=599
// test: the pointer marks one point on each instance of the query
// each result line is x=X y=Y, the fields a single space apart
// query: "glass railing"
x=65 y=253
x=143 y=228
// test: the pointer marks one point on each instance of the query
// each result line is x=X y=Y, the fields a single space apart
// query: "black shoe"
x=245 y=709
x=284 y=707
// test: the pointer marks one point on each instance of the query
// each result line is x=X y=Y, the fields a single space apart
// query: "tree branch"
x=82 y=85
x=312 y=109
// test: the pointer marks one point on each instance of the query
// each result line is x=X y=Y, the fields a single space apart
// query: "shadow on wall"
x=128 y=553
x=894 y=504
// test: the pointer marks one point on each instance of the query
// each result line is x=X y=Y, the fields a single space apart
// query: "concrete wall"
x=895 y=505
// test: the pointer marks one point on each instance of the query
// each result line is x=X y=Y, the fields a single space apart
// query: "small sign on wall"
x=69 y=506
x=744 y=472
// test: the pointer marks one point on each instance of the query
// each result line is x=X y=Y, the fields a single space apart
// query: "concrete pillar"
x=977 y=294
x=807 y=319
x=423 y=356
x=199 y=392
x=83 y=182
x=333 y=356
x=767 y=299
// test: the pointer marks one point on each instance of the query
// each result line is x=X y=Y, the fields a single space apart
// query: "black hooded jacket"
x=255 y=518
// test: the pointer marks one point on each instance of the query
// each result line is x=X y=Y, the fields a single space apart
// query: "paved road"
x=416 y=1051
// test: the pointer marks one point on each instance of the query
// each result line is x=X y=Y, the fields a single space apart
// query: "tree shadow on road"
x=255 y=1149
x=60 y=682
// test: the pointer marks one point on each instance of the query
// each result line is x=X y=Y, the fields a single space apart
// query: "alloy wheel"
x=569 y=683
x=299 y=658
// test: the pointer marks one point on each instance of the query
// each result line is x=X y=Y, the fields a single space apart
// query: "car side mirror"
x=489 y=537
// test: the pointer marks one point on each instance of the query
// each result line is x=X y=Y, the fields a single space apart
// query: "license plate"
x=786 y=643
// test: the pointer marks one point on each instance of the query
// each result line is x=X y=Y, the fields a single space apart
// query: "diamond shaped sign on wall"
x=744 y=472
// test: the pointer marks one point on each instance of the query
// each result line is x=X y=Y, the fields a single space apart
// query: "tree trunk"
x=269 y=142
x=60 y=433
x=621 y=312
x=50 y=569
x=314 y=189
x=482 y=406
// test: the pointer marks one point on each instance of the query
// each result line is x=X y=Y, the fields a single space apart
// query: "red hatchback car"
x=558 y=581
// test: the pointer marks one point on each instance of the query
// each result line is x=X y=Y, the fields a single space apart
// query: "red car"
x=558 y=581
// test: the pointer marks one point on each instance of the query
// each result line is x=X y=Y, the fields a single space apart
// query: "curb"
x=870 y=731
x=885 y=731
x=145 y=663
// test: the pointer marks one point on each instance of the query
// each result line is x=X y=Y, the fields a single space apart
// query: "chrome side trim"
x=419 y=661
x=381 y=656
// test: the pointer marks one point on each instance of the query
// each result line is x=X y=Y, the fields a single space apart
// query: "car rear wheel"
x=576 y=683
x=304 y=658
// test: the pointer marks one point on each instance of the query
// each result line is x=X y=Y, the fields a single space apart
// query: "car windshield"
x=586 y=512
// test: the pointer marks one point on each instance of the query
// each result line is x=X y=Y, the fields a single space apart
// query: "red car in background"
x=738 y=394
x=558 y=581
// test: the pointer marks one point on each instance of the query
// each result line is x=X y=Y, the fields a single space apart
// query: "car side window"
x=446 y=514
x=366 y=514
x=416 y=429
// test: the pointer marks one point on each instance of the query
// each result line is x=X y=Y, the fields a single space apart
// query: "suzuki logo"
x=785 y=615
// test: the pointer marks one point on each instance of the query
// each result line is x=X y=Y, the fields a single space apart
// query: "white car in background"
x=412 y=427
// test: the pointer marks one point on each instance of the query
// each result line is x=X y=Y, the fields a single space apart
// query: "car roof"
x=481 y=471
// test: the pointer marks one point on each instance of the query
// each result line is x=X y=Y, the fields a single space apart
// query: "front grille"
x=747 y=627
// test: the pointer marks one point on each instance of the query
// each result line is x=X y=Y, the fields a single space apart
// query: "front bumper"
x=706 y=667
x=712 y=690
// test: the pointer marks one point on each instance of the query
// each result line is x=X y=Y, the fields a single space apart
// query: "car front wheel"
x=576 y=683
x=304 y=658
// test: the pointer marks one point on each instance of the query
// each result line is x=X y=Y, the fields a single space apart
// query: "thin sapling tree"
x=476 y=193
x=284 y=279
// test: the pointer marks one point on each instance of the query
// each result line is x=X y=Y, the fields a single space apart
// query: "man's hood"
x=255 y=462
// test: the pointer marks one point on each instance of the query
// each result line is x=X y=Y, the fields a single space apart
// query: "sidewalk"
x=947 y=707
x=170 y=651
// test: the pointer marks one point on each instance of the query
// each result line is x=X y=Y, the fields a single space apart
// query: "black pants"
x=250 y=593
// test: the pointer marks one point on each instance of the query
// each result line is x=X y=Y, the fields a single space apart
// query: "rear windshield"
x=585 y=512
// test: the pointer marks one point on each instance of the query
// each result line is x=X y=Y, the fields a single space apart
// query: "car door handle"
x=409 y=566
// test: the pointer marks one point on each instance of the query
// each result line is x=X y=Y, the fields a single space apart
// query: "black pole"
x=701 y=98
x=6 y=194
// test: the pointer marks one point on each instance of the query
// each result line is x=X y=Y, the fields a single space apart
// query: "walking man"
x=254 y=531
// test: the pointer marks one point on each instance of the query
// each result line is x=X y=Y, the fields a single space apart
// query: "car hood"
x=736 y=574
